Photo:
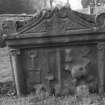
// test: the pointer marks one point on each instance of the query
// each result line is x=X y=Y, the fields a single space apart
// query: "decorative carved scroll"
x=101 y=46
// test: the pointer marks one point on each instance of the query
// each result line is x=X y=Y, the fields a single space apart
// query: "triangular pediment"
x=57 y=21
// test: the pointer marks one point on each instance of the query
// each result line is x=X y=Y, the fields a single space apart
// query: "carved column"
x=101 y=66
x=17 y=70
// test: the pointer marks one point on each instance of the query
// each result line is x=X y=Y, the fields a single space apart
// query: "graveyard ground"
x=70 y=100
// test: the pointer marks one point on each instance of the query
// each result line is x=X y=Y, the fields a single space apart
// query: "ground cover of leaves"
x=52 y=100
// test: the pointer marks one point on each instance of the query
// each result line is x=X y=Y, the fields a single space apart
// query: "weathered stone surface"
x=62 y=43
x=82 y=90
x=5 y=66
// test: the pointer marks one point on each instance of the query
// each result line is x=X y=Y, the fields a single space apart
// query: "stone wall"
x=5 y=66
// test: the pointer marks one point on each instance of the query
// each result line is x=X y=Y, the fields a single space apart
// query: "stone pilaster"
x=101 y=66
x=58 y=58
x=17 y=71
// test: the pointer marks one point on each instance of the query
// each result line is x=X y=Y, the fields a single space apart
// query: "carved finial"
x=68 y=3
x=101 y=46
x=100 y=19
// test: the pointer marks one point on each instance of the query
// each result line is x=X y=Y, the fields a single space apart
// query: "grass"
x=52 y=100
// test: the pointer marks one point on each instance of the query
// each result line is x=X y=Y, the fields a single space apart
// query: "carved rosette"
x=101 y=66
x=14 y=52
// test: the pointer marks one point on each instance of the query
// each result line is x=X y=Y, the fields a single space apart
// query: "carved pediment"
x=62 y=21
x=56 y=21
x=59 y=26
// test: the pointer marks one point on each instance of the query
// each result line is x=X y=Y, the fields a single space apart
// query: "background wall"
x=5 y=66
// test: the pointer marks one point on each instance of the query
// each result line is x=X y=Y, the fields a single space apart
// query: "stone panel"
x=79 y=63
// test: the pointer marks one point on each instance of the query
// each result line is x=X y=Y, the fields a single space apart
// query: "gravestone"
x=60 y=45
